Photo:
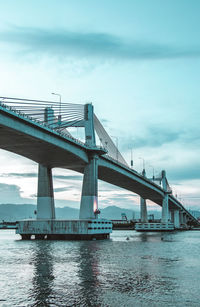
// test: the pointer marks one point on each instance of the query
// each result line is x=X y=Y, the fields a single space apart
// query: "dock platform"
x=154 y=227
x=64 y=229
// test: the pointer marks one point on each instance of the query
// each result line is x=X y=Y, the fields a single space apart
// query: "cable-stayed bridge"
x=39 y=130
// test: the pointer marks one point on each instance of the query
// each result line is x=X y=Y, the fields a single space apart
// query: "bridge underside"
x=40 y=151
x=53 y=156
x=127 y=182
x=46 y=147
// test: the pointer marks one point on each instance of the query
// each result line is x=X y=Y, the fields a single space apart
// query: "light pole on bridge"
x=143 y=164
x=153 y=171
x=132 y=158
x=59 y=116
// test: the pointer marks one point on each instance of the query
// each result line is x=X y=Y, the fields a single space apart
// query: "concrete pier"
x=165 y=209
x=143 y=210
x=45 y=197
x=143 y=205
x=88 y=227
x=171 y=216
x=143 y=227
x=184 y=219
x=181 y=217
x=64 y=229
x=89 y=197
x=176 y=219
x=167 y=223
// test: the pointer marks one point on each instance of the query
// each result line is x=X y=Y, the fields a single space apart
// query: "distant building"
x=124 y=217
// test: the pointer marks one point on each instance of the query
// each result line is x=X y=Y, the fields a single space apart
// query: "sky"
x=137 y=61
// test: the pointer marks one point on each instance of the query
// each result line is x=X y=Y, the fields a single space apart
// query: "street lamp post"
x=143 y=163
x=59 y=116
x=153 y=171
x=131 y=158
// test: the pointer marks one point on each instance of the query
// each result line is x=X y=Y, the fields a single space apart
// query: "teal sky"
x=138 y=62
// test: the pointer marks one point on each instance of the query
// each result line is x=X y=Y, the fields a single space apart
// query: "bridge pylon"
x=143 y=210
x=143 y=206
x=176 y=219
x=166 y=224
x=45 y=196
x=46 y=225
x=89 y=125
x=89 y=197
x=165 y=202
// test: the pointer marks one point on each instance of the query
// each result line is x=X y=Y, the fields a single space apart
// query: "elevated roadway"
x=26 y=137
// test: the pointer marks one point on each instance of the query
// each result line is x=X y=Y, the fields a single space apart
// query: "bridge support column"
x=143 y=210
x=89 y=197
x=181 y=217
x=45 y=198
x=184 y=219
x=171 y=215
x=176 y=219
x=165 y=209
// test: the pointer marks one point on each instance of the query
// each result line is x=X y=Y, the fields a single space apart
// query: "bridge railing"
x=48 y=114
x=129 y=169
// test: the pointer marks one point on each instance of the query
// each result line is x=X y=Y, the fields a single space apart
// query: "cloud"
x=10 y=193
x=63 y=43
x=69 y=177
x=185 y=172
x=63 y=189
x=154 y=136
x=19 y=175
x=33 y=175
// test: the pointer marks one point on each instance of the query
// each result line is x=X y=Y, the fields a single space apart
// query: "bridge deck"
x=43 y=145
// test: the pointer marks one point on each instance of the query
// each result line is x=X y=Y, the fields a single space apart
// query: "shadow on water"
x=83 y=273
x=156 y=236
x=126 y=276
x=149 y=268
x=88 y=273
x=44 y=288
x=42 y=283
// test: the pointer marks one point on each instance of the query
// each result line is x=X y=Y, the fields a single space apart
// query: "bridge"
x=38 y=130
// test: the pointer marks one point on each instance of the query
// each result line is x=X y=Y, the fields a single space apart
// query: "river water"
x=149 y=269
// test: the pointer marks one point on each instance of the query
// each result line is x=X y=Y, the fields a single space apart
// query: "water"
x=149 y=269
